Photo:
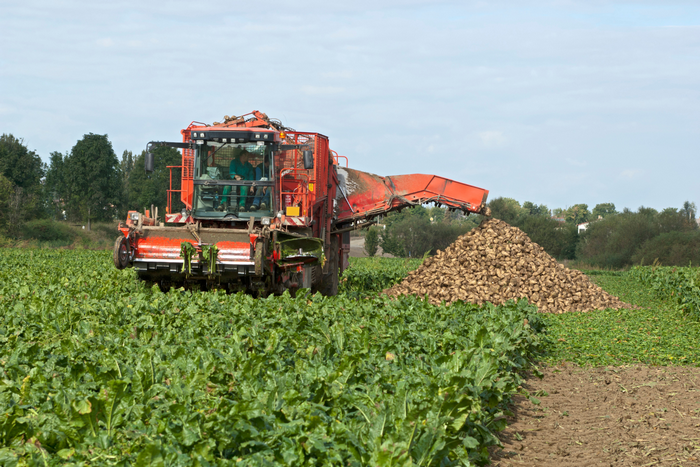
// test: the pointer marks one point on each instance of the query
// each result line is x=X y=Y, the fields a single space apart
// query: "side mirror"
x=308 y=159
x=149 y=162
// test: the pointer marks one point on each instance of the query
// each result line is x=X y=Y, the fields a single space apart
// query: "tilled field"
x=614 y=416
x=497 y=262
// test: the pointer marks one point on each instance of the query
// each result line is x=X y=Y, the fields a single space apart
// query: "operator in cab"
x=262 y=173
x=239 y=169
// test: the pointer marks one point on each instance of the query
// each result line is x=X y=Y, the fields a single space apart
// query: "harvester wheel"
x=121 y=252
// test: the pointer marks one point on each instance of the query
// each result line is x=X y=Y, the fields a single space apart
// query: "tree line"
x=611 y=239
x=90 y=183
x=86 y=184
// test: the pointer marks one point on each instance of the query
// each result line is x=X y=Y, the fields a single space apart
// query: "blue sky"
x=555 y=102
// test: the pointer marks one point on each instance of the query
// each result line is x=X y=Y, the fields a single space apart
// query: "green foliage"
x=670 y=249
x=688 y=211
x=144 y=189
x=87 y=182
x=655 y=333
x=615 y=240
x=603 y=210
x=21 y=191
x=507 y=210
x=186 y=253
x=533 y=209
x=57 y=184
x=577 y=214
x=681 y=285
x=372 y=241
x=557 y=240
x=49 y=230
x=19 y=165
x=47 y=233
x=372 y=275
x=411 y=233
x=6 y=191
x=97 y=369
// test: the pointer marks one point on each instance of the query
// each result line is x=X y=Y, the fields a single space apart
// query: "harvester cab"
x=266 y=209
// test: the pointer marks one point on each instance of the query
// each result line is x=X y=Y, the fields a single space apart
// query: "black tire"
x=121 y=254
x=329 y=285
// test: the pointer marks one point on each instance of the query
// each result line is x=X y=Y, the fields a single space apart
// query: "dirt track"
x=616 y=416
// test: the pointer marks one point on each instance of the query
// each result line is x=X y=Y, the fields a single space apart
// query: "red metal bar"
x=300 y=180
x=170 y=191
x=337 y=157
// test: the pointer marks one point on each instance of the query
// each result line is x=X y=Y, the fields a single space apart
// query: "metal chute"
x=362 y=195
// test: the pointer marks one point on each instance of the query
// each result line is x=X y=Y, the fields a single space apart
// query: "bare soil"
x=615 y=416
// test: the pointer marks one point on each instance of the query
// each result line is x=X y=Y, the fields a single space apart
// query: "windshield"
x=232 y=180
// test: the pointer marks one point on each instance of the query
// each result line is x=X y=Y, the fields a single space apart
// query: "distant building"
x=582 y=227
x=559 y=219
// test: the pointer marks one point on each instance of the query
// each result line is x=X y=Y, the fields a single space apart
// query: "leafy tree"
x=126 y=166
x=372 y=241
x=534 y=210
x=507 y=210
x=671 y=220
x=648 y=212
x=92 y=179
x=24 y=169
x=410 y=233
x=144 y=189
x=612 y=241
x=603 y=210
x=631 y=237
x=438 y=214
x=557 y=240
x=19 y=165
x=6 y=191
x=670 y=249
x=56 y=185
x=392 y=243
x=689 y=210
x=409 y=237
x=577 y=214
x=443 y=234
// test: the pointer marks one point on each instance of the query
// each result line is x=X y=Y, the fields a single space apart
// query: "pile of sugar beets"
x=497 y=262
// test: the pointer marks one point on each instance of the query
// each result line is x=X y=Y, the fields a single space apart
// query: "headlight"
x=266 y=220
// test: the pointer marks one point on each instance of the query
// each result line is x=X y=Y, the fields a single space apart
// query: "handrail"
x=300 y=194
x=336 y=158
x=170 y=191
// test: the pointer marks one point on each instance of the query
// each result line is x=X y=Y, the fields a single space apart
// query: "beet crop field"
x=97 y=369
